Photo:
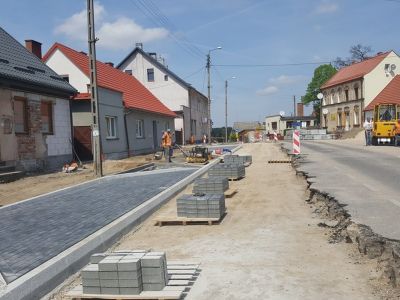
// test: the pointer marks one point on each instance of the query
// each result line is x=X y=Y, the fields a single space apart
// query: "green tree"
x=321 y=75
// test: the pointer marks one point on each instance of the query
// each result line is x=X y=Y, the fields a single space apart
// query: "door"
x=83 y=142
x=155 y=137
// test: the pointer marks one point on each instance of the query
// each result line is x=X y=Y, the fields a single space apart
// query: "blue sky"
x=250 y=32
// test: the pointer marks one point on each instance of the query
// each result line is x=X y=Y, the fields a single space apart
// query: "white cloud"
x=120 y=34
x=326 y=7
x=269 y=90
x=75 y=27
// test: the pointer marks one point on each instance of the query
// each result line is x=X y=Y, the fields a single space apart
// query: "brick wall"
x=27 y=142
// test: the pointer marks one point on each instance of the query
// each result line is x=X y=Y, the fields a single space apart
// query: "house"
x=131 y=117
x=389 y=95
x=249 y=132
x=189 y=104
x=352 y=88
x=35 y=116
x=278 y=123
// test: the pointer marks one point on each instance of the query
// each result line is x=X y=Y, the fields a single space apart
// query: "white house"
x=353 y=88
x=179 y=96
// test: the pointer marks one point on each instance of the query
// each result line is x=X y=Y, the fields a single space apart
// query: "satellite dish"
x=392 y=67
x=325 y=111
x=282 y=113
x=320 y=96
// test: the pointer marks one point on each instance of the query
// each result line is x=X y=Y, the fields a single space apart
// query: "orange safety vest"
x=166 y=140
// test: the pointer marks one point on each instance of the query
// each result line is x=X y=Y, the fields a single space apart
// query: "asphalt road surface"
x=367 y=181
x=34 y=231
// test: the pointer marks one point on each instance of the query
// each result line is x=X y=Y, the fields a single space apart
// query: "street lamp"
x=208 y=65
x=226 y=109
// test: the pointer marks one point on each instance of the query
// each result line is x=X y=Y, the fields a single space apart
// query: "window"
x=339 y=94
x=111 y=123
x=274 y=125
x=20 y=115
x=167 y=126
x=356 y=91
x=150 y=74
x=139 y=128
x=46 y=112
x=346 y=94
x=129 y=72
x=165 y=77
x=65 y=77
x=193 y=127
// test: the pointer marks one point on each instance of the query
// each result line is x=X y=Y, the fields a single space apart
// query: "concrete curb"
x=43 y=279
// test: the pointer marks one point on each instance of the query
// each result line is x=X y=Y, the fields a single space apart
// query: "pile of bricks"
x=212 y=185
x=238 y=159
x=231 y=171
x=125 y=273
x=204 y=206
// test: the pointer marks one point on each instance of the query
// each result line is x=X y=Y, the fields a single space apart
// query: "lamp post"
x=226 y=109
x=208 y=66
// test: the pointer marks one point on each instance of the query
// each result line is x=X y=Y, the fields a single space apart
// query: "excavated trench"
x=343 y=229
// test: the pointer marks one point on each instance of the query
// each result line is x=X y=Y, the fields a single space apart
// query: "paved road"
x=367 y=181
x=34 y=231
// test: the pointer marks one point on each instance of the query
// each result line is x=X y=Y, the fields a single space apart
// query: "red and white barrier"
x=296 y=142
x=275 y=136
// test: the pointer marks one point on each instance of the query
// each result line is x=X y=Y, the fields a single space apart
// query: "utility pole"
x=294 y=105
x=226 y=111
x=96 y=139
x=208 y=65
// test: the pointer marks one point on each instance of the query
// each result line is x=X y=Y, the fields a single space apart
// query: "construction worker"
x=368 y=131
x=167 y=144
x=396 y=132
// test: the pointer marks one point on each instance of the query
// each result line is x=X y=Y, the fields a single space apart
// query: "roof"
x=299 y=118
x=156 y=63
x=21 y=69
x=355 y=71
x=82 y=96
x=135 y=95
x=390 y=94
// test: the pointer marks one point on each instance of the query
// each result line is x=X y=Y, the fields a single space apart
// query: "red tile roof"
x=135 y=95
x=390 y=94
x=82 y=96
x=355 y=71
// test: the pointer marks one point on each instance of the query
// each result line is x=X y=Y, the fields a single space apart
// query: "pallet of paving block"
x=161 y=221
x=230 y=193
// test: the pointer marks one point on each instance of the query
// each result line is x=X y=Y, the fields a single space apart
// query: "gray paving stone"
x=130 y=283
x=91 y=290
x=70 y=215
x=109 y=283
x=90 y=282
x=109 y=291
x=108 y=275
x=153 y=286
x=129 y=291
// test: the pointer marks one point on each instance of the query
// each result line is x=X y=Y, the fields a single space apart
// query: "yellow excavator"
x=385 y=119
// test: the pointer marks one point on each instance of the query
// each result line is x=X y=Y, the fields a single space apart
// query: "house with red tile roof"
x=389 y=95
x=177 y=94
x=353 y=88
x=131 y=117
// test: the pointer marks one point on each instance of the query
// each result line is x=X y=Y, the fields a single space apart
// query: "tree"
x=321 y=75
x=358 y=53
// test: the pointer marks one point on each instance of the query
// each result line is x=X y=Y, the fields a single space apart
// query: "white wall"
x=63 y=66
x=376 y=80
x=59 y=143
x=171 y=93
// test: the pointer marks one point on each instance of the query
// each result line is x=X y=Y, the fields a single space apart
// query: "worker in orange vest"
x=167 y=144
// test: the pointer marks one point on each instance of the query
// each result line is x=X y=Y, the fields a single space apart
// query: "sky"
x=271 y=46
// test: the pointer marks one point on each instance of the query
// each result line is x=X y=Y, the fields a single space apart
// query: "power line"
x=185 y=77
x=273 y=65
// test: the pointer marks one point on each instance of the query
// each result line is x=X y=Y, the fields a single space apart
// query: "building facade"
x=131 y=117
x=190 y=105
x=278 y=123
x=35 y=115
x=353 y=88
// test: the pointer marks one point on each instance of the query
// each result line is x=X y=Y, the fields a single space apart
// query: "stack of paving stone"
x=212 y=185
x=125 y=273
x=231 y=171
x=201 y=206
x=238 y=159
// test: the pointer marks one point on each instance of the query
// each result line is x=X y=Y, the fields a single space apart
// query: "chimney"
x=110 y=64
x=139 y=45
x=34 y=47
x=153 y=55
x=300 y=109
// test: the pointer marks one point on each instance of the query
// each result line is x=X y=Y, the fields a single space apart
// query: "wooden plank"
x=175 y=288
x=180 y=277
x=230 y=193
x=178 y=282
x=168 y=294
x=181 y=272
x=186 y=221
x=182 y=267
